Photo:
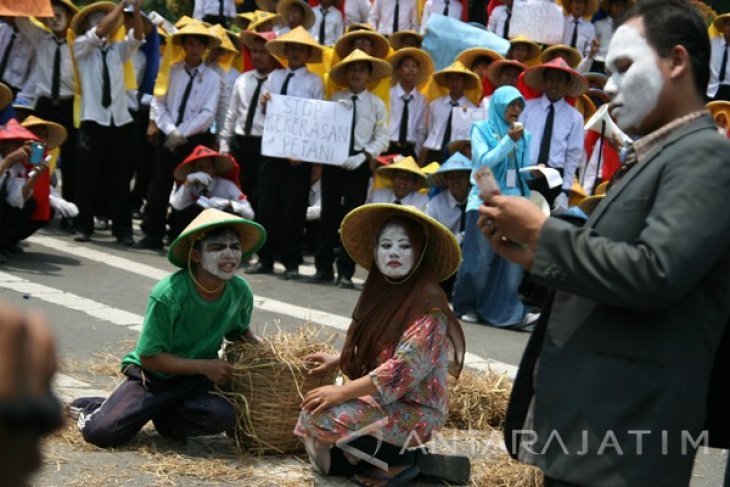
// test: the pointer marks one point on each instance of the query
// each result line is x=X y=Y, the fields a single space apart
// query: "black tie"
x=285 y=86
x=403 y=131
x=574 y=39
x=56 y=78
x=252 y=106
x=106 y=86
x=462 y=218
x=186 y=95
x=321 y=27
x=446 y=8
x=220 y=10
x=6 y=56
x=352 y=128
x=447 y=131
x=723 y=64
x=505 y=31
x=396 y=24
x=397 y=202
x=547 y=136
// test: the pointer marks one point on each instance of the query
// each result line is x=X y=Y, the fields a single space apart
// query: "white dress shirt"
x=414 y=198
x=212 y=7
x=187 y=194
x=21 y=58
x=604 y=33
x=225 y=94
x=371 y=127
x=238 y=108
x=14 y=179
x=497 y=20
x=437 y=7
x=357 y=11
x=87 y=49
x=416 y=115
x=45 y=51
x=445 y=209
x=382 y=12
x=140 y=63
x=202 y=103
x=334 y=25
x=718 y=46
x=566 y=146
x=586 y=34
x=303 y=84
x=439 y=112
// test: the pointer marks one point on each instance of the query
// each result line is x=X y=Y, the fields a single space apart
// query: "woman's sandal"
x=453 y=469
x=405 y=476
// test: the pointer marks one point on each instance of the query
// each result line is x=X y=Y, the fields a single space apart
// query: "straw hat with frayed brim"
x=472 y=80
x=396 y=39
x=719 y=21
x=283 y=9
x=494 y=71
x=534 y=77
x=360 y=229
x=251 y=234
x=261 y=18
x=6 y=96
x=221 y=34
x=298 y=36
x=468 y=56
x=56 y=132
x=534 y=49
x=79 y=20
x=590 y=10
x=573 y=56
x=379 y=69
x=345 y=44
x=407 y=164
x=222 y=164
x=425 y=63
x=195 y=29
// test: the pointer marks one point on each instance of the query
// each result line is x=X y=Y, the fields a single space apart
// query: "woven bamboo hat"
x=588 y=205
x=719 y=21
x=599 y=79
x=534 y=77
x=379 y=69
x=283 y=9
x=78 y=22
x=266 y=5
x=425 y=63
x=360 y=228
x=494 y=71
x=468 y=56
x=183 y=21
x=221 y=34
x=396 y=39
x=571 y=55
x=222 y=164
x=6 y=96
x=533 y=48
x=249 y=36
x=359 y=26
x=251 y=234
x=243 y=20
x=472 y=80
x=590 y=10
x=407 y=164
x=195 y=29
x=458 y=162
x=56 y=132
x=345 y=44
x=261 y=17
x=297 y=36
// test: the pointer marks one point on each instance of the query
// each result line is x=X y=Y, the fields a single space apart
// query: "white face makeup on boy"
x=636 y=81
x=59 y=21
x=221 y=255
x=394 y=252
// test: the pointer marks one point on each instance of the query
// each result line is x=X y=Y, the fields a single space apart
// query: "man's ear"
x=680 y=62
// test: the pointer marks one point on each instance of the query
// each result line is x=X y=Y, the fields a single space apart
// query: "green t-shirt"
x=180 y=322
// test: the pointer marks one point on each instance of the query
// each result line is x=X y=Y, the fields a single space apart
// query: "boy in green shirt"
x=170 y=373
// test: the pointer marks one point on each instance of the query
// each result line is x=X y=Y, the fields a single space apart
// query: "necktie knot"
x=407 y=99
x=454 y=104
x=354 y=97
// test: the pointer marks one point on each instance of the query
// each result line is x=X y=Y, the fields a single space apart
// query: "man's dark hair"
x=669 y=23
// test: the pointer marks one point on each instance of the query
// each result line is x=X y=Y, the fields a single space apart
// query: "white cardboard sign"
x=463 y=119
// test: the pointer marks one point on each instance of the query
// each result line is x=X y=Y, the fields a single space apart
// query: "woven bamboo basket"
x=267 y=388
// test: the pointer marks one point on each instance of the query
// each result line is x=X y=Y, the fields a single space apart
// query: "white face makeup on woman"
x=636 y=81
x=221 y=255
x=394 y=252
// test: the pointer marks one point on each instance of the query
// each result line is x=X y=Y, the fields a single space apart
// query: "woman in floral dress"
x=401 y=344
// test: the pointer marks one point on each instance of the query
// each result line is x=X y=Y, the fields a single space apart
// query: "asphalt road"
x=94 y=295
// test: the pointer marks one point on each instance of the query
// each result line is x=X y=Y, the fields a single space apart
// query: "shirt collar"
x=461 y=101
x=655 y=139
x=545 y=102
x=400 y=92
x=289 y=70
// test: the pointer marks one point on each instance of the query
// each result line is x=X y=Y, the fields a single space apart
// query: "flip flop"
x=405 y=476
x=453 y=469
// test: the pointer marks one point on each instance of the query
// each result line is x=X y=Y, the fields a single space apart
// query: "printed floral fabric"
x=412 y=397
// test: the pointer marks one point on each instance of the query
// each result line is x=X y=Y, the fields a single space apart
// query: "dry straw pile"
x=478 y=400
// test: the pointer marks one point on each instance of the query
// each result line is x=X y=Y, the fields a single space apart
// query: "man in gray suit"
x=613 y=384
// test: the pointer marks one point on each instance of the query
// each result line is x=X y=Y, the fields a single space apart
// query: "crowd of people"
x=157 y=121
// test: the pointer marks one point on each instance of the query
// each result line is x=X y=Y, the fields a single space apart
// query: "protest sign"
x=26 y=8
x=462 y=119
x=307 y=130
x=538 y=20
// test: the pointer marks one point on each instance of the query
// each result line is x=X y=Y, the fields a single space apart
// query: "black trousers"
x=386 y=452
x=406 y=149
x=723 y=93
x=61 y=112
x=179 y=219
x=342 y=191
x=247 y=151
x=282 y=210
x=179 y=407
x=217 y=19
x=158 y=194
x=104 y=164
x=434 y=155
x=144 y=157
x=16 y=223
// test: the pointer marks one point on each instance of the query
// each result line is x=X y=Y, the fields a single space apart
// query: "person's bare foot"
x=371 y=480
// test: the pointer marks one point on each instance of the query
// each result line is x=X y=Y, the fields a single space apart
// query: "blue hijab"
x=496 y=125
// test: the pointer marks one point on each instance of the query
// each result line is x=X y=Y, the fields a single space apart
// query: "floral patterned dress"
x=412 y=397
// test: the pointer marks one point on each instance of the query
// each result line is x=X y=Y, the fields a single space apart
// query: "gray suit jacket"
x=643 y=297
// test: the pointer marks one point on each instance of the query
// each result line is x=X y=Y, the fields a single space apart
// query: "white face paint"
x=221 y=255
x=59 y=21
x=394 y=252
x=636 y=81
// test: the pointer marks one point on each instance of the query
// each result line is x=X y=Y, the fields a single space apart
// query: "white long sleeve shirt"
x=212 y=7
x=303 y=84
x=371 y=127
x=383 y=11
x=445 y=209
x=45 y=51
x=439 y=112
x=586 y=34
x=334 y=25
x=718 y=46
x=437 y=7
x=357 y=11
x=497 y=20
x=20 y=59
x=187 y=194
x=604 y=33
x=201 y=106
x=414 y=198
x=239 y=106
x=417 y=109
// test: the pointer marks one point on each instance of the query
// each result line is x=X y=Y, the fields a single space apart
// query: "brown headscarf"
x=386 y=308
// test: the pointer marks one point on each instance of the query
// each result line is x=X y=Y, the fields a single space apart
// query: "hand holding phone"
x=37 y=149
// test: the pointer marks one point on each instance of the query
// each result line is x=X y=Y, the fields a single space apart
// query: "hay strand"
x=478 y=400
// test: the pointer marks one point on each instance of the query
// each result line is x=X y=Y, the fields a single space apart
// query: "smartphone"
x=37 y=149
x=487 y=184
